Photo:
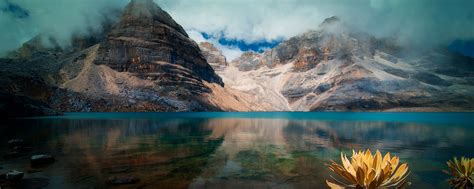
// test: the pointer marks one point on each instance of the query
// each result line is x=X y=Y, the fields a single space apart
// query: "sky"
x=242 y=25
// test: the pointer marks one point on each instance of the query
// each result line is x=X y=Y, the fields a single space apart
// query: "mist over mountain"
x=423 y=23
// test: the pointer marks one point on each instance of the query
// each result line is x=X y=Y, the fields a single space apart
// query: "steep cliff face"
x=150 y=44
x=333 y=68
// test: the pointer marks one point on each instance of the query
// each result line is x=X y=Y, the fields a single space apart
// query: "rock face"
x=333 y=68
x=213 y=56
x=250 y=61
x=150 y=44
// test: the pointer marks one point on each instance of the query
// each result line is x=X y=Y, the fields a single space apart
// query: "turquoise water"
x=231 y=150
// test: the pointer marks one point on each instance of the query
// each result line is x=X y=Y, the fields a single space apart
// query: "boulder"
x=16 y=142
x=42 y=159
x=14 y=175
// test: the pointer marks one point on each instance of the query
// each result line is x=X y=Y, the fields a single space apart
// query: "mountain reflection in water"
x=226 y=152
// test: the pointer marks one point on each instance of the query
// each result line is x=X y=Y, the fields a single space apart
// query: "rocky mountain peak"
x=330 y=21
x=146 y=13
x=213 y=56
x=150 y=44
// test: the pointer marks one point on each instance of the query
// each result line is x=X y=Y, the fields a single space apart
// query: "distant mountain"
x=213 y=56
x=334 y=68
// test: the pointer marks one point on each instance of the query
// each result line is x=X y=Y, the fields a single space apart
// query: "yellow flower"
x=367 y=171
x=462 y=171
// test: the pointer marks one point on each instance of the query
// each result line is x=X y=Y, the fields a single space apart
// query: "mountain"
x=334 y=68
x=143 y=62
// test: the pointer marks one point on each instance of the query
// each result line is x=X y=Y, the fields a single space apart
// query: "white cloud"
x=425 y=22
x=57 y=18
x=230 y=52
x=196 y=36
x=420 y=21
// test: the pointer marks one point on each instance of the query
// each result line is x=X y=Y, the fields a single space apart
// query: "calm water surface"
x=231 y=150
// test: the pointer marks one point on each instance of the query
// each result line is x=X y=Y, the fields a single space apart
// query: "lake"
x=230 y=150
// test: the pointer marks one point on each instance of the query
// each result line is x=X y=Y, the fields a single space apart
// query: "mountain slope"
x=333 y=68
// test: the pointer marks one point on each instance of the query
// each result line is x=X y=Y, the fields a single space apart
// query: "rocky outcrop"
x=214 y=56
x=252 y=61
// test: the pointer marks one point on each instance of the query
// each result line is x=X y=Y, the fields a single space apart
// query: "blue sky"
x=256 y=46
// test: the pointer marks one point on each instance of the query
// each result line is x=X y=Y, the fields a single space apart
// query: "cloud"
x=420 y=22
x=229 y=51
x=425 y=22
x=57 y=18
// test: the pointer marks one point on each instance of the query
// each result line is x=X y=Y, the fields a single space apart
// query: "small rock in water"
x=119 y=180
x=17 y=148
x=119 y=170
x=13 y=155
x=22 y=149
x=14 y=175
x=42 y=159
x=31 y=171
x=16 y=142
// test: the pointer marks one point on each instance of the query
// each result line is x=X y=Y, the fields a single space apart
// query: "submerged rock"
x=121 y=180
x=14 y=175
x=13 y=155
x=16 y=142
x=42 y=159
x=18 y=148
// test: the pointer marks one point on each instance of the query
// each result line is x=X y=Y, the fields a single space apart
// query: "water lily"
x=462 y=171
x=367 y=171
